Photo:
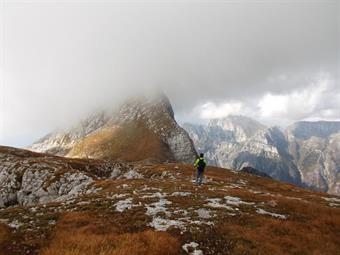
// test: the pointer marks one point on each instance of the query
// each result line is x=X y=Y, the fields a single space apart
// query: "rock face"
x=142 y=128
x=28 y=178
x=315 y=147
x=306 y=153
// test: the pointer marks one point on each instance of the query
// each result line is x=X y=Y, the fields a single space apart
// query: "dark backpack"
x=201 y=163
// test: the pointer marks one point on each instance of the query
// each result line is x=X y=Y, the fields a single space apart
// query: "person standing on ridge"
x=200 y=165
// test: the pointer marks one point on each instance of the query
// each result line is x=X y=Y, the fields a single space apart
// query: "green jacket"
x=198 y=160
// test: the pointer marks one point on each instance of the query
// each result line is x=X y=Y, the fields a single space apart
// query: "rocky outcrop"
x=28 y=178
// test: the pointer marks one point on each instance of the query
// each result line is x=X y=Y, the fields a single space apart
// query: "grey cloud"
x=61 y=60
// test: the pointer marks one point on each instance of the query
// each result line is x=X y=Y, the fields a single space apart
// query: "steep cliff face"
x=141 y=128
x=267 y=150
x=315 y=147
x=306 y=153
x=221 y=137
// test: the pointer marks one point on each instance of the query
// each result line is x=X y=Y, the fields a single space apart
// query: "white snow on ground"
x=233 y=186
x=93 y=190
x=117 y=196
x=15 y=224
x=124 y=204
x=255 y=191
x=181 y=211
x=133 y=174
x=147 y=188
x=157 y=207
x=167 y=174
x=84 y=203
x=236 y=201
x=115 y=173
x=161 y=224
x=242 y=182
x=194 y=247
x=182 y=194
x=215 y=203
x=157 y=194
x=276 y=215
x=203 y=213
x=333 y=201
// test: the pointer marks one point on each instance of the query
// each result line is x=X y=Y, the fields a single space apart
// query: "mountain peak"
x=243 y=127
x=143 y=127
x=306 y=129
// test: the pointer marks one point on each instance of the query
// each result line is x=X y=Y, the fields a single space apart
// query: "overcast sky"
x=276 y=61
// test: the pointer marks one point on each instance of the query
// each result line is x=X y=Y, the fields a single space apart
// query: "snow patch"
x=122 y=205
x=161 y=224
x=181 y=194
x=157 y=194
x=236 y=201
x=215 y=203
x=115 y=173
x=333 y=201
x=276 y=215
x=203 y=213
x=158 y=207
x=15 y=224
x=192 y=246
x=133 y=174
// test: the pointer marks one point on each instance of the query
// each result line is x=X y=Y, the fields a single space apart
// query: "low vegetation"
x=156 y=209
x=81 y=233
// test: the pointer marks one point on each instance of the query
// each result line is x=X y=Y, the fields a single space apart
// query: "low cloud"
x=318 y=100
x=212 y=111
x=62 y=60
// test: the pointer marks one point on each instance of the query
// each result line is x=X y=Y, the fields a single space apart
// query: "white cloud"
x=297 y=103
x=318 y=100
x=211 y=110
x=315 y=101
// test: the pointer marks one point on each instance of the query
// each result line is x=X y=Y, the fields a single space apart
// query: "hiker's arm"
x=196 y=162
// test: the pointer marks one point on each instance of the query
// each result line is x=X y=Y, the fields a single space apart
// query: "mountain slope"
x=141 y=128
x=136 y=208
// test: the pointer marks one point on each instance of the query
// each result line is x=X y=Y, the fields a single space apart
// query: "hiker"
x=200 y=164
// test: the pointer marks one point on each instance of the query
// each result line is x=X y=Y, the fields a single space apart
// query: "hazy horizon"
x=277 y=62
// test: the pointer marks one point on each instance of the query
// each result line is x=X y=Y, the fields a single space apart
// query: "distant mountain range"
x=305 y=153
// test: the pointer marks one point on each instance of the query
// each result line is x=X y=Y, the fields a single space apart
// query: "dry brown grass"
x=5 y=235
x=131 y=142
x=310 y=229
x=252 y=235
x=83 y=234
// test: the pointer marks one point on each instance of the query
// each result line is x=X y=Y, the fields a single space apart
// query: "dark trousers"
x=199 y=177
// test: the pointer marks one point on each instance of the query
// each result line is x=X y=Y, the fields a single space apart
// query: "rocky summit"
x=306 y=153
x=143 y=128
x=56 y=205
